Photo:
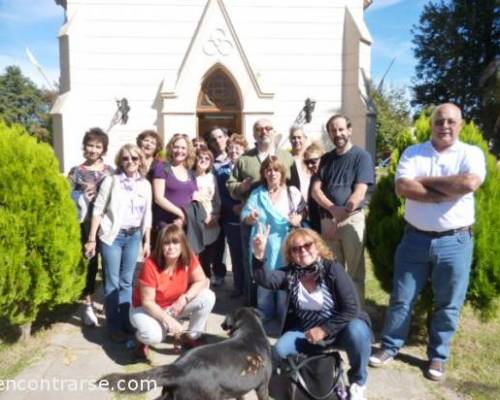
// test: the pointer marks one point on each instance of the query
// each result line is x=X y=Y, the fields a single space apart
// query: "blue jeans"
x=233 y=237
x=272 y=303
x=355 y=339
x=446 y=261
x=119 y=261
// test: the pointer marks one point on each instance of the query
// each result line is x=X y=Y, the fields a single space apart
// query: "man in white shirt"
x=437 y=178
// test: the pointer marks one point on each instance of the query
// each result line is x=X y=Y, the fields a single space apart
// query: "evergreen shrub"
x=40 y=254
x=385 y=222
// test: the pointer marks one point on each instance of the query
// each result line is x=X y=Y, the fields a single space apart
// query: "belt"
x=325 y=214
x=449 y=232
x=129 y=231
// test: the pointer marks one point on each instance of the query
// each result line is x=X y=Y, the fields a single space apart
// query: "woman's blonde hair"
x=314 y=148
x=173 y=233
x=189 y=161
x=132 y=149
x=306 y=233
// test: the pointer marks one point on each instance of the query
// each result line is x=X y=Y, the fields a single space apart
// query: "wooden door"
x=219 y=103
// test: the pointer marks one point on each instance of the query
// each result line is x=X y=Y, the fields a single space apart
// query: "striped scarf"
x=309 y=318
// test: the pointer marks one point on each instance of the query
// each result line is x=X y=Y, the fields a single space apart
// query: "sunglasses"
x=298 y=249
x=171 y=241
x=132 y=158
x=311 y=161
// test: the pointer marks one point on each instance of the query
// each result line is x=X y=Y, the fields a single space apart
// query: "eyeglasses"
x=128 y=159
x=311 y=161
x=204 y=159
x=264 y=128
x=442 y=121
x=298 y=249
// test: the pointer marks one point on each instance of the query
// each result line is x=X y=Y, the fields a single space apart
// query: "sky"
x=35 y=24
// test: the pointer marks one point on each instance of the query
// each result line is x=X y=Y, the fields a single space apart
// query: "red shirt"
x=168 y=288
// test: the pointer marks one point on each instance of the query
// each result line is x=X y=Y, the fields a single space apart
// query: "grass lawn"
x=474 y=367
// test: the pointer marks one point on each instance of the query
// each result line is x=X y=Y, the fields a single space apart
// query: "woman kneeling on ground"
x=171 y=286
x=322 y=303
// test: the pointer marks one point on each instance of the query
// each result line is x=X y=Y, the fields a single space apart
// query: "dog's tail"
x=141 y=382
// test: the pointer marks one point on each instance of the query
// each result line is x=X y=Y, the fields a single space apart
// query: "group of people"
x=295 y=228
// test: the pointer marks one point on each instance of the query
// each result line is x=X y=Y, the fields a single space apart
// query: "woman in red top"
x=171 y=286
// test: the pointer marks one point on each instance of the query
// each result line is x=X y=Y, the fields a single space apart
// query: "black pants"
x=93 y=263
x=211 y=258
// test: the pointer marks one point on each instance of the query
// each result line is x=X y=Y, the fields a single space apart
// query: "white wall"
x=135 y=49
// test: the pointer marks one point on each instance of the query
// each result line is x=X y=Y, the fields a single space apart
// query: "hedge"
x=40 y=253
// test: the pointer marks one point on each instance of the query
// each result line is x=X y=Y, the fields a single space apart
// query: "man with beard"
x=246 y=177
x=340 y=188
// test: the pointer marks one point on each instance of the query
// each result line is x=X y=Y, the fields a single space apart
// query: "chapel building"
x=184 y=66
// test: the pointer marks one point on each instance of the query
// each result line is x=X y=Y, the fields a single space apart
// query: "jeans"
x=355 y=339
x=446 y=261
x=233 y=236
x=272 y=303
x=119 y=261
x=150 y=331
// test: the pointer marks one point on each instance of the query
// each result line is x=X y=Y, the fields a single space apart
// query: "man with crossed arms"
x=438 y=179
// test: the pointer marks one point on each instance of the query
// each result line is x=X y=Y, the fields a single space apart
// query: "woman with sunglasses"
x=312 y=157
x=322 y=303
x=171 y=286
x=122 y=214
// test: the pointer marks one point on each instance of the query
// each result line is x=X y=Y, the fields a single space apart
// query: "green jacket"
x=248 y=165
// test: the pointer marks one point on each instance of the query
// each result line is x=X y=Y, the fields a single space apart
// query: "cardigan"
x=110 y=207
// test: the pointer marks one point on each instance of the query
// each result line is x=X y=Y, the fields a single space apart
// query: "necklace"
x=274 y=191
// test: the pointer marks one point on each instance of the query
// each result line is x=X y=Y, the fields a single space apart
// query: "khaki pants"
x=348 y=246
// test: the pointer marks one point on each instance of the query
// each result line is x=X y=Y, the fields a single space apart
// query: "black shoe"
x=118 y=337
x=380 y=358
x=141 y=351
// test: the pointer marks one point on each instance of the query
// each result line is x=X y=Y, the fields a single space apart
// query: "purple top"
x=177 y=192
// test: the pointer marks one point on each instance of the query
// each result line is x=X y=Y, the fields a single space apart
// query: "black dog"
x=223 y=370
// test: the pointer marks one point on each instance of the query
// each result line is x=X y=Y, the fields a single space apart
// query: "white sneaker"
x=357 y=392
x=89 y=317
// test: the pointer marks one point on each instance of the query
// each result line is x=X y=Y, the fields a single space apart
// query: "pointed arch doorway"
x=219 y=103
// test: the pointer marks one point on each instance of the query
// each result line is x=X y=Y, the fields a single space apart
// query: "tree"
x=393 y=115
x=385 y=223
x=40 y=251
x=455 y=42
x=21 y=102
